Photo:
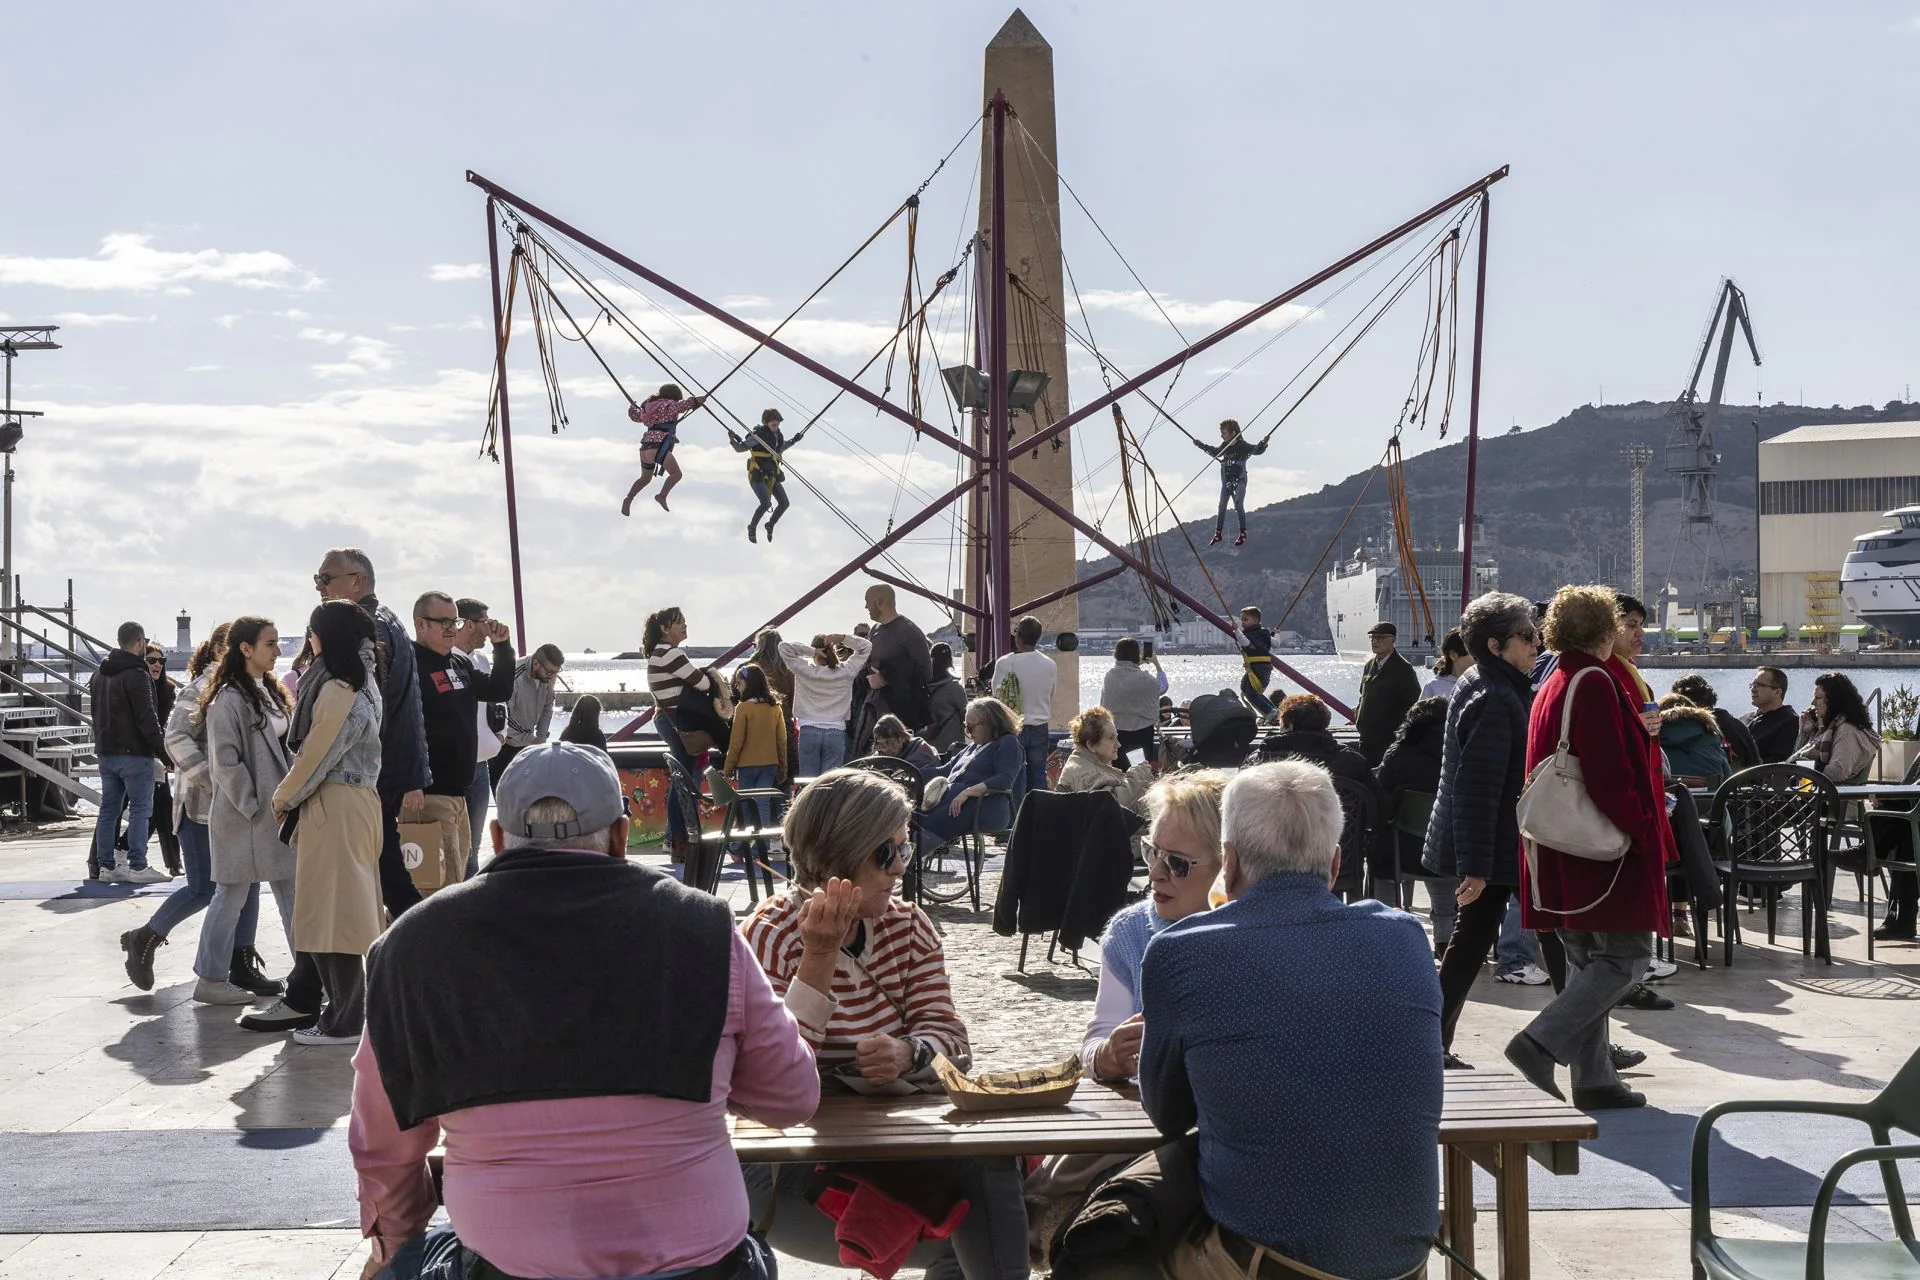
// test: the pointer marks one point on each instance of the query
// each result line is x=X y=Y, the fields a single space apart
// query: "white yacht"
x=1366 y=589
x=1880 y=581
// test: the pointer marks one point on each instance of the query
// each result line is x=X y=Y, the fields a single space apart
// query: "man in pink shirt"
x=575 y=1027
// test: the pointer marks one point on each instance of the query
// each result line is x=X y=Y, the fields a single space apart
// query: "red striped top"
x=898 y=987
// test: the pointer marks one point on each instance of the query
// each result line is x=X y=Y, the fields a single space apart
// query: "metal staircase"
x=46 y=723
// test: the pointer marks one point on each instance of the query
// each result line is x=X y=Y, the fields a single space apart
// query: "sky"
x=252 y=225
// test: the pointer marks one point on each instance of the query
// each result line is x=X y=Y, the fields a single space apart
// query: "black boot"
x=245 y=972
x=1898 y=924
x=140 y=944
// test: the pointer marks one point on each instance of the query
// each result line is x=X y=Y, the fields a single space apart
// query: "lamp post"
x=13 y=340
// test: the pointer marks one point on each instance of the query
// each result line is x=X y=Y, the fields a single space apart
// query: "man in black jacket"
x=1388 y=687
x=347 y=574
x=452 y=690
x=127 y=740
x=1774 y=726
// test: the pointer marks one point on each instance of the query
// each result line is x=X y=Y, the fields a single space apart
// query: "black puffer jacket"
x=1412 y=763
x=1474 y=830
x=125 y=721
x=1325 y=750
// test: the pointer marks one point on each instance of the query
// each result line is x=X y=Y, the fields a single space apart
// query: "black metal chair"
x=910 y=778
x=740 y=825
x=1360 y=809
x=1776 y=824
x=706 y=843
x=1409 y=828
x=1875 y=832
x=942 y=876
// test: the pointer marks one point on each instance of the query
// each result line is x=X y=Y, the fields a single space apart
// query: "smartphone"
x=1146 y=649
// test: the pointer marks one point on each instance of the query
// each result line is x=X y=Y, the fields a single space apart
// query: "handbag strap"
x=1566 y=711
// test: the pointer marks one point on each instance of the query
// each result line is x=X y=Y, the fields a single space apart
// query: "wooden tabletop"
x=1480 y=1107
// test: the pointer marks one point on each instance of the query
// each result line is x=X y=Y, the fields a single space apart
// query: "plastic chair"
x=1729 y=1258
x=705 y=848
x=740 y=824
x=1775 y=824
x=1360 y=806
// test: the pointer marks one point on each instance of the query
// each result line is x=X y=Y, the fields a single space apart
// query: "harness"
x=763 y=460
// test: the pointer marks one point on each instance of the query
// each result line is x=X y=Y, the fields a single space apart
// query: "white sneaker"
x=313 y=1035
x=214 y=991
x=145 y=875
x=1531 y=976
x=115 y=875
x=1658 y=969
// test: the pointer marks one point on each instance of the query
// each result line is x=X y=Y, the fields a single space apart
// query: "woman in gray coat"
x=246 y=715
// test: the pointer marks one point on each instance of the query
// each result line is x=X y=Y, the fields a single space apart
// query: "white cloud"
x=130 y=262
x=441 y=272
x=359 y=355
x=86 y=320
x=1203 y=316
x=204 y=368
x=293 y=313
x=227 y=321
x=745 y=302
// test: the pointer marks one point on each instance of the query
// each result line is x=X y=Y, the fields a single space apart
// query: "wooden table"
x=1494 y=1119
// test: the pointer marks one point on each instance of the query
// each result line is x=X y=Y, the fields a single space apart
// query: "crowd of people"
x=302 y=782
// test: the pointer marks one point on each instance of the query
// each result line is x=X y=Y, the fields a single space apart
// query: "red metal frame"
x=989 y=487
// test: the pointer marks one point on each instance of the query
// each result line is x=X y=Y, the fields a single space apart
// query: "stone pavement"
x=84 y=1053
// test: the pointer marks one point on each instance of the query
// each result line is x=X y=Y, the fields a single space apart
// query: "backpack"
x=1007 y=690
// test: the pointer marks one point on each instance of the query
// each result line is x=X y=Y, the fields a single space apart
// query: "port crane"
x=1691 y=453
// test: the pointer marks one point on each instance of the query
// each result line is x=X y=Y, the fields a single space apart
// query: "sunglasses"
x=322 y=579
x=156 y=662
x=1528 y=637
x=888 y=856
x=1178 y=865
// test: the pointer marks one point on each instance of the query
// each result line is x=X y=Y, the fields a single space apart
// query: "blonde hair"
x=1192 y=799
x=1092 y=727
x=1582 y=618
x=839 y=820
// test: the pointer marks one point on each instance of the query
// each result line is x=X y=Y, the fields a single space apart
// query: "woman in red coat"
x=1605 y=913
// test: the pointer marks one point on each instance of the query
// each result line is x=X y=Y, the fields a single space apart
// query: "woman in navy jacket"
x=990 y=761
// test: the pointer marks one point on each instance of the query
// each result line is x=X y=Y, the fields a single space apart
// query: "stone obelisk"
x=1019 y=63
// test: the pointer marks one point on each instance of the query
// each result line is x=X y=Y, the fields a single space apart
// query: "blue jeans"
x=438 y=1255
x=479 y=797
x=664 y=726
x=1517 y=947
x=1234 y=491
x=1036 y=742
x=770 y=494
x=1256 y=694
x=126 y=782
x=821 y=748
x=196 y=857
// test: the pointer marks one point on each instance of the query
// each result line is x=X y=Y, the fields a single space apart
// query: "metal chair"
x=1721 y=1258
x=1360 y=807
x=911 y=779
x=1409 y=823
x=938 y=876
x=706 y=849
x=740 y=824
x=1863 y=855
x=1775 y=824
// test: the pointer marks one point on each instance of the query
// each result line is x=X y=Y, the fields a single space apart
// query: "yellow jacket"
x=759 y=738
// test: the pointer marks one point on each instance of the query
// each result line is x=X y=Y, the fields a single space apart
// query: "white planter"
x=1896 y=757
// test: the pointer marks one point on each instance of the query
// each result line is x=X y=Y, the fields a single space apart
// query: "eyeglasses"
x=445 y=624
x=890 y=855
x=1177 y=864
x=322 y=579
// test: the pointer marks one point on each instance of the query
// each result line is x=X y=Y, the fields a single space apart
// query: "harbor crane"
x=1691 y=454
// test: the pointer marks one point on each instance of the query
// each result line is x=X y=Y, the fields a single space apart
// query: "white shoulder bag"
x=1555 y=810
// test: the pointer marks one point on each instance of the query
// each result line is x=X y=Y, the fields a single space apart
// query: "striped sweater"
x=671 y=673
x=898 y=987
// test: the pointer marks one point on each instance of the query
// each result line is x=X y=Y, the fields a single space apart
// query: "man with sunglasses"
x=346 y=573
x=1288 y=993
x=451 y=694
x=530 y=709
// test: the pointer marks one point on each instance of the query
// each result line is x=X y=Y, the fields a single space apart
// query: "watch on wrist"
x=922 y=1055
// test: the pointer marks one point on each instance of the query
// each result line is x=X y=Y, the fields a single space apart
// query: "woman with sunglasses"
x=968 y=782
x=1473 y=832
x=864 y=974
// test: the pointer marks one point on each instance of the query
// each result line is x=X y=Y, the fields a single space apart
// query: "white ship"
x=1880 y=580
x=1366 y=589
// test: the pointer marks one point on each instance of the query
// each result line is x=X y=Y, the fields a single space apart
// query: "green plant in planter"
x=1899 y=712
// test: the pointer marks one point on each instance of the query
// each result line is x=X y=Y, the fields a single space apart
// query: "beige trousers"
x=1206 y=1258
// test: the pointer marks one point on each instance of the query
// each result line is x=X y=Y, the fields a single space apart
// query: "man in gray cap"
x=577 y=1026
x=1388 y=687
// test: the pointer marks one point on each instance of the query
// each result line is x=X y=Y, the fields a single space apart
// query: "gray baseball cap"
x=582 y=776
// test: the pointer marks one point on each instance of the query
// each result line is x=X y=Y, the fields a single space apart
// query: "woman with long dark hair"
x=1836 y=733
x=245 y=712
x=583 y=726
x=330 y=785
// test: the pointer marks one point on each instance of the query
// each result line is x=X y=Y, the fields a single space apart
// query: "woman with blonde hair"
x=1090 y=765
x=864 y=974
x=1605 y=913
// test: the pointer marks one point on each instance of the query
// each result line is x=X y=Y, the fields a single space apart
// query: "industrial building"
x=1820 y=488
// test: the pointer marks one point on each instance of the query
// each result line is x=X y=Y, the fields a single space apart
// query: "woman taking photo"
x=823 y=698
x=1605 y=913
x=864 y=974
x=991 y=760
x=330 y=785
x=1132 y=696
x=1473 y=833
x=245 y=712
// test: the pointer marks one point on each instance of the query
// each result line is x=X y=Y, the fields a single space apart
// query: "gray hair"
x=551 y=811
x=838 y=822
x=1493 y=616
x=1281 y=817
x=357 y=558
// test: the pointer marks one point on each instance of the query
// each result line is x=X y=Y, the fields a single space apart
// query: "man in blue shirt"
x=1302 y=1035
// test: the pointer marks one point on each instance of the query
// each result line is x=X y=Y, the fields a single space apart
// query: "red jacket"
x=1613 y=749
